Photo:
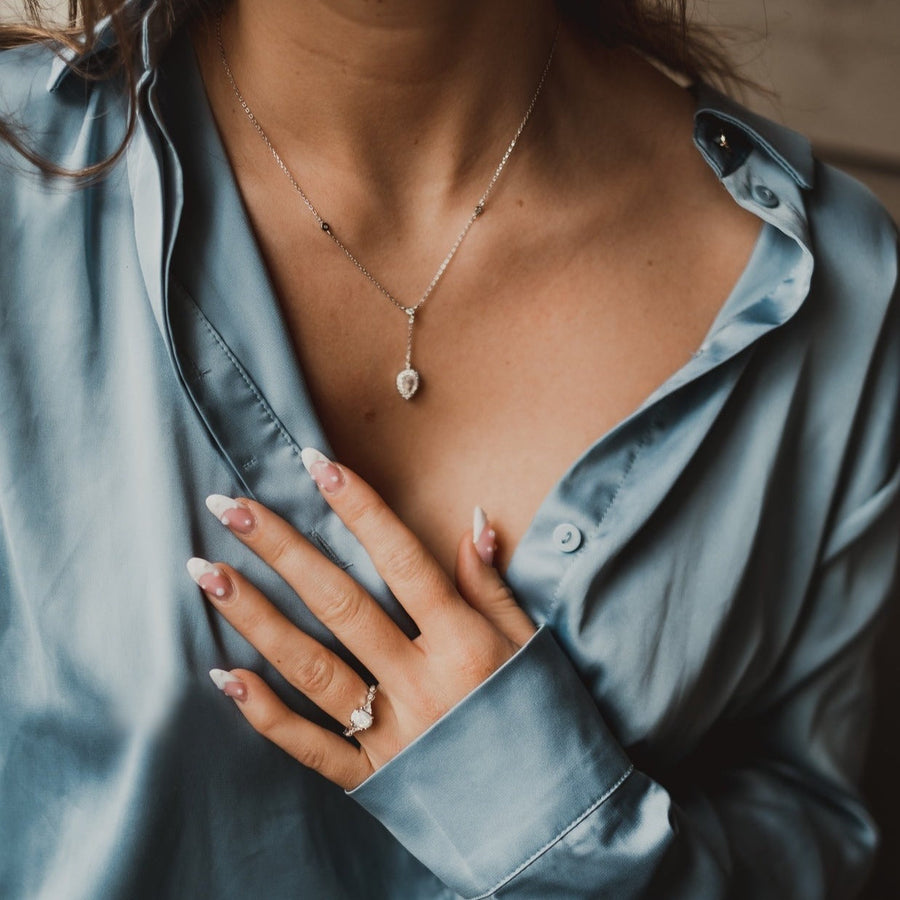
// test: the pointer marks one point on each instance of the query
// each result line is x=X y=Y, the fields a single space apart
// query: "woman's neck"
x=394 y=93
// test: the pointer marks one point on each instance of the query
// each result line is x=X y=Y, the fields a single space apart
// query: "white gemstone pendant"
x=361 y=719
x=407 y=383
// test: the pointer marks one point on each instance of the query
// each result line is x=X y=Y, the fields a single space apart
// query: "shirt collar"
x=725 y=132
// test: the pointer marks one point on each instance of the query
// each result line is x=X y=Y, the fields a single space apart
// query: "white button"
x=566 y=537
x=764 y=196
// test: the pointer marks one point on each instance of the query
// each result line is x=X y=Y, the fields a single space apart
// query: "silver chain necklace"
x=408 y=379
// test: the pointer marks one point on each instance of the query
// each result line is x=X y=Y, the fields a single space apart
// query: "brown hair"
x=659 y=29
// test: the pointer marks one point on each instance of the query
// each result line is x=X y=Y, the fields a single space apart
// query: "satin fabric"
x=689 y=720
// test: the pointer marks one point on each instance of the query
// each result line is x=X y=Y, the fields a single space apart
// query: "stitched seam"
x=576 y=821
x=642 y=443
x=245 y=378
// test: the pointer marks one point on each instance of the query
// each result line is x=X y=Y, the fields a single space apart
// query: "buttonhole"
x=197 y=374
x=326 y=548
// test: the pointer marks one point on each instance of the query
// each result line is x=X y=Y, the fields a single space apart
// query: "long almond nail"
x=230 y=685
x=324 y=472
x=211 y=579
x=483 y=536
x=230 y=513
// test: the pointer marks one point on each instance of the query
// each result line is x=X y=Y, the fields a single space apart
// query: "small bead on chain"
x=408 y=380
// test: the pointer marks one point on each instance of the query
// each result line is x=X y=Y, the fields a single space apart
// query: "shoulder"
x=25 y=73
x=52 y=227
x=856 y=284
x=854 y=232
x=836 y=301
x=70 y=122
x=26 y=103
x=67 y=119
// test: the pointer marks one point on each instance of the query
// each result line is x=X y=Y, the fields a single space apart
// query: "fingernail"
x=230 y=685
x=323 y=471
x=230 y=513
x=484 y=537
x=211 y=579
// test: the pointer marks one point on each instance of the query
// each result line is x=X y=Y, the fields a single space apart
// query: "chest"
x=530 y=350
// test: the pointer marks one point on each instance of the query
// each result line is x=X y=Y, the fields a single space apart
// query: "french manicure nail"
x=230 y=685
x=483 y=536
x=323 y=471
x=230 y=513
x=210 y=578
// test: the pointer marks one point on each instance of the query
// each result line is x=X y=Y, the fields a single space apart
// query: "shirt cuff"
x=503 y=775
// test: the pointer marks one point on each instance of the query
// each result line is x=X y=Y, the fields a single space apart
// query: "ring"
x=361 y=719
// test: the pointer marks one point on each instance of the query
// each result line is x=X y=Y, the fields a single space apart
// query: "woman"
x=651 y=335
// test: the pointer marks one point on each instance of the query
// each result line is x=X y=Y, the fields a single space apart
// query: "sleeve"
x=522 y=791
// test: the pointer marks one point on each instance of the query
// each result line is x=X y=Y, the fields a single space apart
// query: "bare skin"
x=600 y=264
x=595 y=272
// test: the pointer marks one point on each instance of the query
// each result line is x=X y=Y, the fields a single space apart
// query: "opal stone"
x=361 y=719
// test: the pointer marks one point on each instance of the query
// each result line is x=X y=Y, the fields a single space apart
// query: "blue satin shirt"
x=688 y=722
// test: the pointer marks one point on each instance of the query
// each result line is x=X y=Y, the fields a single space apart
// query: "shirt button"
x=566 y=537
x=764 y=196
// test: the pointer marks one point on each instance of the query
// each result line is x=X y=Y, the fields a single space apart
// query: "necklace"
x=408 y=379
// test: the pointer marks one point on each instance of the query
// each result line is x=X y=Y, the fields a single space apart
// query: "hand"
x=467 y=631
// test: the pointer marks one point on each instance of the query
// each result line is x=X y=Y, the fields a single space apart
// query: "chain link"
x=410 y=311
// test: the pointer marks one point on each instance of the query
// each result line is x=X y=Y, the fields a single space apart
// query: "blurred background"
x=833 y=67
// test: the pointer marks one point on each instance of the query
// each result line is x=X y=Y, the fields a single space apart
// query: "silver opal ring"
x=362 y=719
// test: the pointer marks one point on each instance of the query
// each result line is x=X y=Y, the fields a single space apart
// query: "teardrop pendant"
x=407 y=383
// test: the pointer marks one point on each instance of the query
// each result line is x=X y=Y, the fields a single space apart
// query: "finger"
x=311 y=668
x=333 y=597
x=315 y=747
x=410 y=571
x=482 y=587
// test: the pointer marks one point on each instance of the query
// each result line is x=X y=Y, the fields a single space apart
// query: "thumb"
x=481 y=586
